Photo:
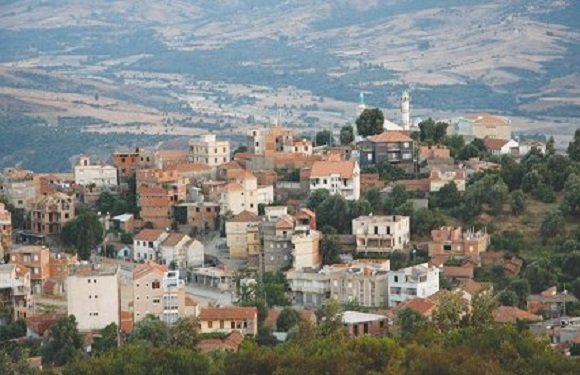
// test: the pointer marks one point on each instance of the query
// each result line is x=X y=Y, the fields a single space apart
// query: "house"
x=306 y=249
x=422 y=306
x=439 y=178
x=230 y=343
x=146 y=244
x=206 y=149
x=394 y=147
x=167 y=159
x=381 y=234
x=458 y=273
x=358 y=323
x=158 y=191
x=124 y=222
x=363 y=281
x=15 y=292
x=5 y=230
x=50 y=213
x=527 y=146
x=219 y=278
x=450 y=241
x=86 y=173
x=128 y=162
x=277 y=235
x=59 y=265
x=159 y=292
x=243 y=235
x=338 y=177
x=481 y=125
x=18 y=186
x=433 y=152
x=549 y=302
x=228 y=319
x=560 y=331
x=510 y=314
x=181 y=250
x=501 y=146
x=418 y=281
x=37 y=260
x=240 y=195
x=276 y=140
x=205 y=216
x=93 y=296
x=37 y=326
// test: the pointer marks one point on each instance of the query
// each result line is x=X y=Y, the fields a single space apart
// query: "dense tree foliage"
x=323 y=137
x=83 y=233
x=346 y=135
x=63 y=343
x=431 y=131
x=288 y=319
x=574 y=147
x=370 y=122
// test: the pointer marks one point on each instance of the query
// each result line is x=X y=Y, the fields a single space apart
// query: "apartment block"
x=229 y=319
x=309 y=287
x=15 y=292
x=481 y=125
x=206 y=149
x=158 y=190
x=86 y=173
x=240 y=195
x=167 y=159
x=420 y=281
x=363 y=281
x=381 y=234
x=276 y=140
x=37 y=260
x=159 y=292
x=449 y=241
x=50 y=213
x=93 y=296
x=243 y=235
x=306 y=249
x=337 y=176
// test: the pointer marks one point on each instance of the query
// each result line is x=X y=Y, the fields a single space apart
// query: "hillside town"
x=389 y=224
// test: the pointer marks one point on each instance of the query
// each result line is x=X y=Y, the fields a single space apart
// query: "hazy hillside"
x=202 y=62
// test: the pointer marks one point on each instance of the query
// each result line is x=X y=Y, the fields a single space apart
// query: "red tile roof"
x=41 y=323
x=344 y=169
x=458 y=272
x=189 y=301
x=390 y=136
x=149 y=235
x=272 y=318
x=228 y=313
x=245 y=217
x=421 y=305
x=510 y=314
x=230 y=343
x=147 y=267
x=494 y=144
x=173 y=239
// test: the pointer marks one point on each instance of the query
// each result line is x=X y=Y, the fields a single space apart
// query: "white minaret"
x=405 y=110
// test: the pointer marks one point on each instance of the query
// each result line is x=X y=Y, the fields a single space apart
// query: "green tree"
x=423 y=221
x=448 y=197
x=571 y=202
x=550 y=148
x=184 y=333
x=241 y=149
x=64 y=342
x=370 y=122
x=431 y=131
x=482 y=307
x=19 y=220
x=323 y=137
x=150 y=330
x=449 y=312
x=12 y=330
x=373 y=196
x=346 y=135
x=127 y=238
x=508 y=298
x=571 y=264
x=83 y=233
x=455 y=143
x=510 y=240
x=107 y=340
x=521 y=287
x=316 y=198
x=518 y=203
x=541 y=275
x=287 y=319
x=331 y=324
x=511 y=172
x=410 y=322
x=330 y=250
x=574 y=147
x=553 y=225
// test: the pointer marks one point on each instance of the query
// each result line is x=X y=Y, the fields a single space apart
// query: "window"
x=156 y=300
x=155 y=284
x=89 y=281
x=222 y=324
x=396 y=279
x=233 y=325
x=210 y=324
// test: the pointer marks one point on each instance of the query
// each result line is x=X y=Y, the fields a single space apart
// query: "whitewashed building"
x=420 y=281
